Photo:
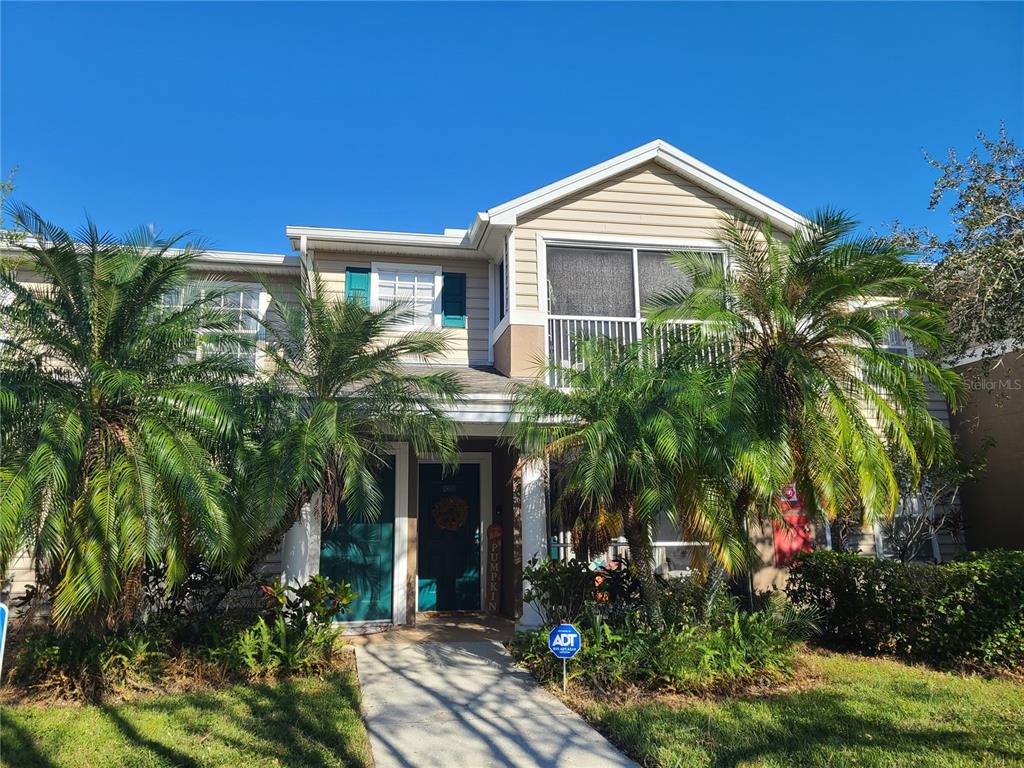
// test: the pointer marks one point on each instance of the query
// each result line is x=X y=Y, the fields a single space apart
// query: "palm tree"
x=803 y=326
x=114 y=431
x=345 y=369
x=637 y=434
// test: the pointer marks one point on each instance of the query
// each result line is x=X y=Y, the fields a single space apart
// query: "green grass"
x=858 y=712
x=308 y=722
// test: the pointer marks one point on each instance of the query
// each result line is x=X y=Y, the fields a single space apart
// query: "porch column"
x=534 y=529
x=300 y=552
x=400 y=575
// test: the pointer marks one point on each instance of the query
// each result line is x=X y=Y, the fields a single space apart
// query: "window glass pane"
x=658 y=274
x=590 y=281
x=502 y=277
x=236 y=306
x=415 y=289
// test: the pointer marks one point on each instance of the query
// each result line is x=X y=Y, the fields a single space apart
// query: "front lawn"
x=852 y=712
x=301 y=722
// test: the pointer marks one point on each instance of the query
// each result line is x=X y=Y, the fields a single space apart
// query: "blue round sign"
x=564 y=641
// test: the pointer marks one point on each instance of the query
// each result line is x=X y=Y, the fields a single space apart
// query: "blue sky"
x=234 y=120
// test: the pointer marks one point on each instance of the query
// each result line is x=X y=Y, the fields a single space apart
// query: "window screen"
x=658 y=274
x=590 y=281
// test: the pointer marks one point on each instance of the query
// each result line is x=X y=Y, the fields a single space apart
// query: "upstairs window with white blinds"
x=417 y=289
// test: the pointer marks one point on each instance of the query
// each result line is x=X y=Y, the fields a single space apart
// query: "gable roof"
x=480 y=236
x=664 y=154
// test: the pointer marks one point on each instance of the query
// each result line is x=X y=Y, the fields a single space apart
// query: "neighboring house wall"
x=19 y=575
x=469 y=345
x=993 y=416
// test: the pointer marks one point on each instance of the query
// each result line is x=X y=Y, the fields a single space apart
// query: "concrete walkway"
x=460 y=704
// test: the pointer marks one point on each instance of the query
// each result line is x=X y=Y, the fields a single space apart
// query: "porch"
x=447 y=541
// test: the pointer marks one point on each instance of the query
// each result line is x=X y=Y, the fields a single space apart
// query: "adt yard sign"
x=3 y=633
x=564 y=641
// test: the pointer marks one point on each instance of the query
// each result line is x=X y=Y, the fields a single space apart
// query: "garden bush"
x=969 y=612
x=709 y=642
x=293 y=635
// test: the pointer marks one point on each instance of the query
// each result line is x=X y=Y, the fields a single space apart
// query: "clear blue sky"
x=234 y=120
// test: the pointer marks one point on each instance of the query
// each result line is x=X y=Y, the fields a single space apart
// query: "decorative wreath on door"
x=450 y=513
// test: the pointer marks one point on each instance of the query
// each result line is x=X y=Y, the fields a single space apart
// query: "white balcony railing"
x=565 y=332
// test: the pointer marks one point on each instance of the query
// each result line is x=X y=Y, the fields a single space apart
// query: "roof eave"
x=467 y=244
x=654 y=151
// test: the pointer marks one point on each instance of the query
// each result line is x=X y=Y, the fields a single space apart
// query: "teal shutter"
x=357 y=285
x=453 y=300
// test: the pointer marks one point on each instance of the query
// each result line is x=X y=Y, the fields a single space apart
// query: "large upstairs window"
x=590 y=282
x=595 y=290
x=609 y=282
x=240 y=304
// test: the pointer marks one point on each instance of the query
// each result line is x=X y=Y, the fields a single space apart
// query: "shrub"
x=711 y=644
x=84 y=666
x=561 y=590
x=295 y=636
x=965 y=613
x=316 y=603
x=275 y=648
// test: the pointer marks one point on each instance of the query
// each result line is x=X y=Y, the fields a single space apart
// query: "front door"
x=448 y=528
x=361 y=552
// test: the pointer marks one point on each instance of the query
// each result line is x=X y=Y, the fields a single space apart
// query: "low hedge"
x=965 y=613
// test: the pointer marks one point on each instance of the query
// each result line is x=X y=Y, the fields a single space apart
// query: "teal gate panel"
x=362 y=553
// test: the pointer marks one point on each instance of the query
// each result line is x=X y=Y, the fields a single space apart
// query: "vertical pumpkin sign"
x=493 y=567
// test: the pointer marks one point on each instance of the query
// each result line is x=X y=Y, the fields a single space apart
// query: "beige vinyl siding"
x=19 y=575
x=649 y=201
x=469 y=345
x=284 y=289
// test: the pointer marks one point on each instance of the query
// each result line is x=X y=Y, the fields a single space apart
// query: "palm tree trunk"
x=639 y=539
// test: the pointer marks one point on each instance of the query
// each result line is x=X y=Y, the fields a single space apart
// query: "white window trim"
x=383 y=266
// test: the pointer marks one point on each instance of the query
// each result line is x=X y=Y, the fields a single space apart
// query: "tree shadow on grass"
x=814 y=728
x=18 y=748
x=168 y=755
x=308 y=722
x=312 y=723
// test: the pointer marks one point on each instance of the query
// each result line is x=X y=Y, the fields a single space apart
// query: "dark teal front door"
x=448 y=529
x=362 y=553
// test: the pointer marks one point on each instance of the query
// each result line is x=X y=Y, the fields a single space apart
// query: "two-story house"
x=580 y=255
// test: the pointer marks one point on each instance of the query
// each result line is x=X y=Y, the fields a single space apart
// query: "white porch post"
x=300 y=555
x=400 y=572
x=534 y=530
